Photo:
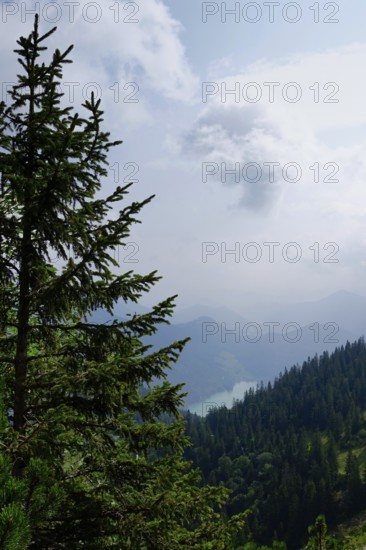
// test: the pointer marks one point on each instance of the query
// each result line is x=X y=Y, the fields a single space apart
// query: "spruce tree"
x=86 y=461
x=317 y=532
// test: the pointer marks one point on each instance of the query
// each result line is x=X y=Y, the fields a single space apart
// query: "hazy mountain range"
x=227 y=347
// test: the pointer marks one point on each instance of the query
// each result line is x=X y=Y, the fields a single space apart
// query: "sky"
x=247 y=120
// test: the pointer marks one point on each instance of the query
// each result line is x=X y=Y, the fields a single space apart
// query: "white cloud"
x=187 y=211
x=234 y=131
x=132 y=63
x=148 y=51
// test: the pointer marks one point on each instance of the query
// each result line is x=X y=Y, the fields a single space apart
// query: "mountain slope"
x=291 y=450
x=227 y=347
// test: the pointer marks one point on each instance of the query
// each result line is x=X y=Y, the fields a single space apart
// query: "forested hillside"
x=291 y=450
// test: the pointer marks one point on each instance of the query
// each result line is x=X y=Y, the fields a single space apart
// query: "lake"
x=222 y=398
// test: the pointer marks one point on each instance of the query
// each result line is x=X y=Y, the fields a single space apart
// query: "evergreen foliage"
x=85 y=460
x=293 y=450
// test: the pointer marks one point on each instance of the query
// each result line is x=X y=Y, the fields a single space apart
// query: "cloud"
x=133 y=65
x=276 y=143
x=149 y=51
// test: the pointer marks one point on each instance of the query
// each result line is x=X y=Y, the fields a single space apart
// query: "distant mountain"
x=211 y=363
x=346 y=309
x=205 y=367
x=227 y=347
x=224 y=314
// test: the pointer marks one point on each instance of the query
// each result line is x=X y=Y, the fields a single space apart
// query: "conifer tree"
x=85 y=460
x=318 y=532
x=353 y=497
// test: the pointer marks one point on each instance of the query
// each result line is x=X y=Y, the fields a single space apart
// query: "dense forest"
x=291 y=450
